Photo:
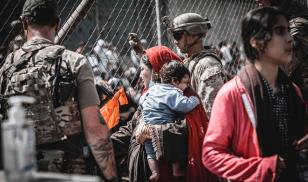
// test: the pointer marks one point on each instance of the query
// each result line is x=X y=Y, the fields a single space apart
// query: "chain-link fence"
x=103 y=32
x=109 y=23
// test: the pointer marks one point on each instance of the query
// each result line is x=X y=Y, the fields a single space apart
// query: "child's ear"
x=174 y=81
x=257 y=44
x=253 y=43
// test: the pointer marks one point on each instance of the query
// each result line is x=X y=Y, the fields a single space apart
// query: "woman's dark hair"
x=173 y=71
x=258 y=24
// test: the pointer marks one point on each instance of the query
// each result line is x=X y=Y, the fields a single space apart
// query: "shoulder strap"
x=20 y=62
x=8 y=72
x=202 y=55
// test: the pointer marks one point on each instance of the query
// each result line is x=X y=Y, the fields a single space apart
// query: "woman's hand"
x=134 y=41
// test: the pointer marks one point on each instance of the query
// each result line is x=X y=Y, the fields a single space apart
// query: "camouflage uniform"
x=298 y=70
x=61 y=146
x=207 y=77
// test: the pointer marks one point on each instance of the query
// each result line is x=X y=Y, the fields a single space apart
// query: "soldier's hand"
x=134 y=41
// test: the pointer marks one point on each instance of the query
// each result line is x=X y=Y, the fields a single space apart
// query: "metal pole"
x=73 y=20
x=97 y=18
x=158 y=22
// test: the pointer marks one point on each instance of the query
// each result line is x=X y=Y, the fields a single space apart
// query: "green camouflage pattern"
x=35 y=79
x=207 y=77
x=298 y=69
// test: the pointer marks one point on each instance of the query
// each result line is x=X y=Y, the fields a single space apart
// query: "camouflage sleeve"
x=81 y=68
x=4 y=66
x=211 y=80
x=209 y=89
x=304 y=77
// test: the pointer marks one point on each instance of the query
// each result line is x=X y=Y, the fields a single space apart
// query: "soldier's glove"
x=143 y=132
x=134 y=41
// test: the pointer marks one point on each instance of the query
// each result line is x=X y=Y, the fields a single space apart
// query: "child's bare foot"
x=153 y=164
x=154 y=176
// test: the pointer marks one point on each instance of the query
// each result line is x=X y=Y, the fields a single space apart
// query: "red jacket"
x=197 y=124
x=230 y=147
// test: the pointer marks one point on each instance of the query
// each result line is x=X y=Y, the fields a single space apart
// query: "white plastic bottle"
x=18 y=142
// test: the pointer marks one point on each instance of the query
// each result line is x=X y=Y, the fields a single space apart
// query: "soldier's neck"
x=42 y=32
x=195 y=49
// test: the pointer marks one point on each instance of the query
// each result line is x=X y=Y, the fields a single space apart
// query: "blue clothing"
x=162 y=103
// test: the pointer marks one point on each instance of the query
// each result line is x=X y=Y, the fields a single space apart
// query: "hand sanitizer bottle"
x=18 y=142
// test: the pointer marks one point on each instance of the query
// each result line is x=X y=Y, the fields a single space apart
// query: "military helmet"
x=193 y=23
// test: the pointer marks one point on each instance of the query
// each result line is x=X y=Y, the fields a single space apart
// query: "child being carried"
x=164 y=103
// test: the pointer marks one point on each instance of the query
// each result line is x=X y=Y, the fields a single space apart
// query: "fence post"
x=158 y=22
x=74 y=19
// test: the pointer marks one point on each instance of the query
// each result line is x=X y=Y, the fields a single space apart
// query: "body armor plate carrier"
x=49 y=79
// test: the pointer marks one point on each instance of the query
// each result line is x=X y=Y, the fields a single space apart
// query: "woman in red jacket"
x=258 y=121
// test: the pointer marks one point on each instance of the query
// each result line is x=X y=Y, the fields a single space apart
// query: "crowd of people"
x=215 y=115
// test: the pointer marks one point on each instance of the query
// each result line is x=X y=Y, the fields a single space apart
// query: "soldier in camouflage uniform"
x=207 y=75
x=68 y=125
x=298 y=70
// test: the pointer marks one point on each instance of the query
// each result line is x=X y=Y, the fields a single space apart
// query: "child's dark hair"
x=173 y=71
x=258 y=24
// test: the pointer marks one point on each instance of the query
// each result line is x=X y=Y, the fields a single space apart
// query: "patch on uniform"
x=209 y=72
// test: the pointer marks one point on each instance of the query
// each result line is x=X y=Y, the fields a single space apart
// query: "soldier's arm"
x=211 y=80
x=95 y=129
x=98 y=138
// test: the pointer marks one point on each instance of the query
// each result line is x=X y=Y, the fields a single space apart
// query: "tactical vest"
x=49 y=79
x=201 y=55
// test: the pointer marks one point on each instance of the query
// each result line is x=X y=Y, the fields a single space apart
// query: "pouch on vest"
x=49 y=79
